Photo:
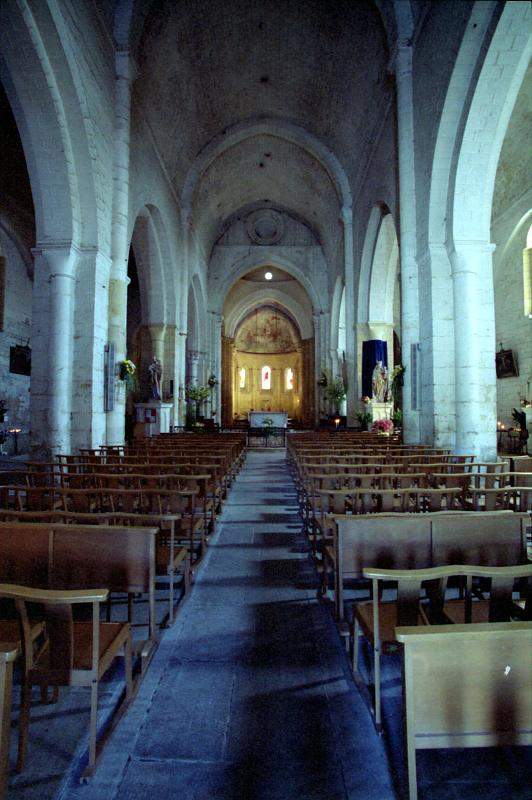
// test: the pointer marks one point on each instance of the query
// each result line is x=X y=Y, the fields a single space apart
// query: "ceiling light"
x=268 y=276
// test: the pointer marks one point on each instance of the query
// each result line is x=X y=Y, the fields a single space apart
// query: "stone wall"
x=16 y=329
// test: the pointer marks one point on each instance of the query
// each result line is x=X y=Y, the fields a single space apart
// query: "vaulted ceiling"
x=205 y=67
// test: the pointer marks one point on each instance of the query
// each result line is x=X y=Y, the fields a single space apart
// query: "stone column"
x=407 y=240
x=474 y=320
x=124 y=76
x=350 y=343
x=181 y=368
x=216 y=361
x=319 y=365
x=51 y=395
x=193 y=357
x=157 y=333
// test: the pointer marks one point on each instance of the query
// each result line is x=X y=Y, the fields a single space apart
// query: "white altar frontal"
x=279 y=419
x=379 y=410
x=155 y=416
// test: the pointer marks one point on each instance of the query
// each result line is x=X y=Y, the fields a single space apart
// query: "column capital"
x=60 y=257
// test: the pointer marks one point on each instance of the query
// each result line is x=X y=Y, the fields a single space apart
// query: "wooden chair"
x=377 y=620
x=466 y=686
x=75 y=654
x=9 y=652
x=499 y=606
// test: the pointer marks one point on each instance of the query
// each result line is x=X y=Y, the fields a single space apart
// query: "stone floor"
x=249 y=696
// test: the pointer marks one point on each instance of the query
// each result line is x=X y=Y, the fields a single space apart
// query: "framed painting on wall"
x=506 y=364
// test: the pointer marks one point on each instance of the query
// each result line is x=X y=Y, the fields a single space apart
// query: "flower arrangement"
x=126 y=373
x=335 y=392
x=197 y=394
x=382 y=426
x=365 y=399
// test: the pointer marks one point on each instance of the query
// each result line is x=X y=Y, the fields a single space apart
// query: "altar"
x=274 y=419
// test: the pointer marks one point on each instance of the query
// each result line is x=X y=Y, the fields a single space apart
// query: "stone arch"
x=272 y=127
x=455 y=258
x=268 y=296
x=339 y=292
x=53 y=131
x=196 y=331
x=149 y=246
x=384 y=267
x=256 y=259
x=378 y=268
x=487 y=121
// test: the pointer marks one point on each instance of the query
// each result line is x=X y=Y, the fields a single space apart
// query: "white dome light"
x=268 y=276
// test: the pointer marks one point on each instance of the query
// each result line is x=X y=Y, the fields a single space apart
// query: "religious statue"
x=380 y=383
x=155 y=370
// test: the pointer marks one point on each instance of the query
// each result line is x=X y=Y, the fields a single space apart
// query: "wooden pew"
x=59 y=556
x=466 y=686
x=171 y=558
x=9 y=652
x=377 y=620
x=418 y=541
x=76 y=653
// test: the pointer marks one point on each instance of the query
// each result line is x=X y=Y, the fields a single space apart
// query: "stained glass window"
x=289 y=379
x=266 y=379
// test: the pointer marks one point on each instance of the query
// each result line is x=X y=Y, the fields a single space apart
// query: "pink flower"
x=383 y=425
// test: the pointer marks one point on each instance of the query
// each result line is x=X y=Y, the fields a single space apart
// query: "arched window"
x=266 y=379
x=527 y=273
x=242 y=378
x=289 y=379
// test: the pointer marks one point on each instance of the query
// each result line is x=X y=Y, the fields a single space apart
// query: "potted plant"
x=197 y=395
x=335 y=393
x=397 y=418
x=363 y=419
x=127 y=373
x=396 y=383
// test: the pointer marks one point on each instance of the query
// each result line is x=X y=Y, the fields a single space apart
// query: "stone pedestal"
x=155 y=416
x=379 y=411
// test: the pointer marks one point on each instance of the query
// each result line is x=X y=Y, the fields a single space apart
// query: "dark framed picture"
x=20 y=360
x=506 y=364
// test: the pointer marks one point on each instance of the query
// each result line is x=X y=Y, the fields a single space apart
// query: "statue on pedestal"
x=155 y=371
x=380 y=383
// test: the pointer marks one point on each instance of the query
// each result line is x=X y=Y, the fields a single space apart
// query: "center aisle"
x=248 y=696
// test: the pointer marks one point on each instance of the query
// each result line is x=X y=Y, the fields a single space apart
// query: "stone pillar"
x=474 y=320
x=319 y=365
x=407 y=240
x=350 y=343
x=181 y=369
x=51 y=385
x=193 y=357
x=527 y=280
x=157 y=333
x=216 y=361
x=124 y=76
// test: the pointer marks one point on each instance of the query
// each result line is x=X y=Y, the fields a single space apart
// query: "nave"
x=249 y=695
